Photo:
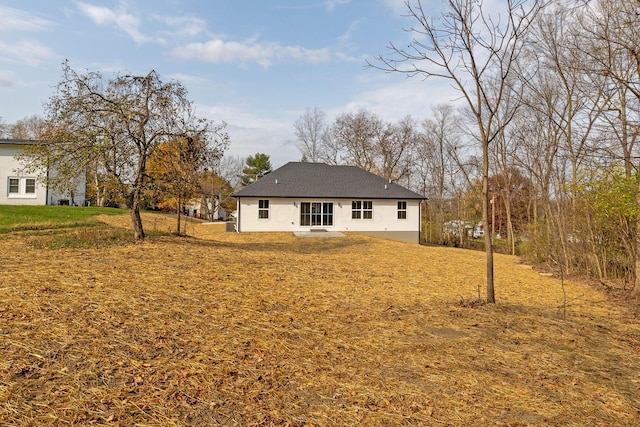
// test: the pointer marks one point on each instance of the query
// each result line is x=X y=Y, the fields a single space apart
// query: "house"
x=19 y=187
x=317 y=196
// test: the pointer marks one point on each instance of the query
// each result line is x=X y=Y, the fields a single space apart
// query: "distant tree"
x=394 y=146
x=175 y=168
x=362 y=139
x=31 y=127
x=4 y=129
x=113 y=126
x=437 y=162
x=355 y=134
x=215 y=189
x=311 y=133
x=231 y=170
x=216 y=192
x=256 y=167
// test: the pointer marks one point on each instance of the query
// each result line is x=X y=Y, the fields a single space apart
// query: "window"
x=367 y=210
x=30 y=186
x=21 y=187
x=263 y=209
x=316 y=214
x=356 y=210
x=14 y=186
x=327 y=214
x=362 y=209
x=402 y=210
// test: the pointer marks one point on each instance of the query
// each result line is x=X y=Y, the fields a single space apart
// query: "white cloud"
x=26 y=52
x=346 y=37
x=6 y=78
x=184 y=26
x=251 y=134
x=398 y=7
x=394 y=101
x=332 y=4
x=18 y=20
x=186 y=78
x=121 y=18
x=264 y=54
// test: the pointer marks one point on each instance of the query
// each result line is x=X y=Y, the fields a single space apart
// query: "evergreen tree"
x=255 y=168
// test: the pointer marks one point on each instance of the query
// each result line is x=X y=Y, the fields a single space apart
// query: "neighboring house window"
x=362 y=209
x=402 y=210
x=316 y=214
x=22 y=187
x=263 y=209
x=14 y=186
x=30 y=186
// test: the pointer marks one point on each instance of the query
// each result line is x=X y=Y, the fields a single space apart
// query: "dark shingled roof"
x=17 y=141
x=319 y=180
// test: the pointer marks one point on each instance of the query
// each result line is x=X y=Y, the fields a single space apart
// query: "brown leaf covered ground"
x=272 y=329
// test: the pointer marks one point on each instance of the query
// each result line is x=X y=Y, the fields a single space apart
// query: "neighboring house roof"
x=319 y=180
x=17 y=141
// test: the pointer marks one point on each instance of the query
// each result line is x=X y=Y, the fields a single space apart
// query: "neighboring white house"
x=17 y=187
x=317 y=196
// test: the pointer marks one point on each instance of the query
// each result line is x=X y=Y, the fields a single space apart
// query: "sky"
x=257 y=65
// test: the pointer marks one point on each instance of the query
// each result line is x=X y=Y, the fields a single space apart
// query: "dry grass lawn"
x=269 y=329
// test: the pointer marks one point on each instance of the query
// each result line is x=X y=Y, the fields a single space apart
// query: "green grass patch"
x=57 y=227
x=91 y=236
x=22 y=218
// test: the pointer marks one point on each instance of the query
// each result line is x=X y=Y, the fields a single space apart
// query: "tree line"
x=541 y=149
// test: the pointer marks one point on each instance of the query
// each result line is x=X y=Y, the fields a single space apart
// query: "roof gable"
x=319 y=180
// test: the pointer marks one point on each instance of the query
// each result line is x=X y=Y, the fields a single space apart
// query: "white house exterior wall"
x=284 y=215
x=11 y=168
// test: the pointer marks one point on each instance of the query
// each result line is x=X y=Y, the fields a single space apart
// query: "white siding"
x=11 y=168
x=79 y=193
x=284 y=215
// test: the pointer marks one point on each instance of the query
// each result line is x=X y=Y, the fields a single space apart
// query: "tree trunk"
x=179 y=211
x=488 y=239
x=136 y=220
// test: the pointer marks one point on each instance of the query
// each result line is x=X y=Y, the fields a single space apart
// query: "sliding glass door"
x=316 y=214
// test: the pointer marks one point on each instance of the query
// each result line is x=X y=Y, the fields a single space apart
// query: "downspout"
x=238 y=215
x=420 y=221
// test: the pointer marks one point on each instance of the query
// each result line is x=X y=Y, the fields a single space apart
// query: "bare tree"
x=31 y=127
x=231 y=170
x=611 y=42
x=115 y=125
x=4 y=129
x=437 y=162
x=476 y=52
x=355 y=134
x=311 y=133
x=394 y=145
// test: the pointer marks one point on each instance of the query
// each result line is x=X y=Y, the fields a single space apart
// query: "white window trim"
x=22 y=188
x=402 y=210
x=268 y=209
x=362 y=210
